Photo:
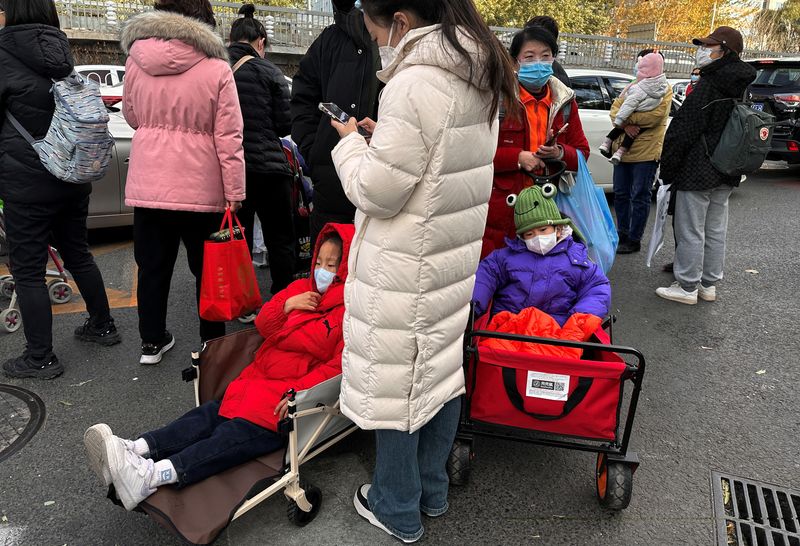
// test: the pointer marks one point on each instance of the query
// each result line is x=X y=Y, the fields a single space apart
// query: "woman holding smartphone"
x=549 y=128
x=420 y=187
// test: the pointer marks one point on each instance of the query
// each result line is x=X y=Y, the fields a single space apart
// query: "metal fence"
x=294 y=30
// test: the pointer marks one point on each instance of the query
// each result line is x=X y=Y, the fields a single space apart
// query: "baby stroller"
x=560 y=402
x=302 y=195
x=199 y=512
x=57 y=287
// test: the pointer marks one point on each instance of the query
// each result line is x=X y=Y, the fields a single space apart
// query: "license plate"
x=758 y=106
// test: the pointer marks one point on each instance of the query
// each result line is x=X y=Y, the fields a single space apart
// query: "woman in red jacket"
x=548 y=105
x=302 y=329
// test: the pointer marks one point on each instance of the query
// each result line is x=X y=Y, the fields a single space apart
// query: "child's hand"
x=308 y=301
x=282 y=409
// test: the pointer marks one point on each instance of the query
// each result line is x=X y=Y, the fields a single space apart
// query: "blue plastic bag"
x=588 y=208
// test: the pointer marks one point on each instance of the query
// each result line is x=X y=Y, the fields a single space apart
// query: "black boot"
x=39 y=368
x=103 y=334
x=629 y=247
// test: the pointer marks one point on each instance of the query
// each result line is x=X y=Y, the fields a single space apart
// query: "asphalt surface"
x=720 y=393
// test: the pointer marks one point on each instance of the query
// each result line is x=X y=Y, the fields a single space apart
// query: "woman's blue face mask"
x=535 y=74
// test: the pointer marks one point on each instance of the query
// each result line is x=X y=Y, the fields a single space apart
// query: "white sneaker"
x=94 y=440
x=248 y=318
x=674 y=292
x=130 y=473
x=362 y=507
x=707 y=293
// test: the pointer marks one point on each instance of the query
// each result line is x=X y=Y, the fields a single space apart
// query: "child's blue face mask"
x=323 y=278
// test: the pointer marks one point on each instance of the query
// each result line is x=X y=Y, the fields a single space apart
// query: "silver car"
x=107 y=204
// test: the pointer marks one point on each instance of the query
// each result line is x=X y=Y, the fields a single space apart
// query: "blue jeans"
x=411 y=474
x=202 y=443
x=633 y=183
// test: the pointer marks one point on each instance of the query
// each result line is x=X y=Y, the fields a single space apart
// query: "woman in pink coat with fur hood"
x=187 y=162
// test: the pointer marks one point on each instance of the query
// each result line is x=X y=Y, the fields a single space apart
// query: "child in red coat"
x=302 y=329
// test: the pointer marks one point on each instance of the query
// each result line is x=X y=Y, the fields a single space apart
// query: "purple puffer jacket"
x=560 y=283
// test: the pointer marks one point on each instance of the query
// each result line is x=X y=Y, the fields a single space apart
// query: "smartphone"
x=552 y=139
x=334 y=112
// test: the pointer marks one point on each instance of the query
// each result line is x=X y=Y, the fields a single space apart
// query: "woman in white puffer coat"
x=421 y=188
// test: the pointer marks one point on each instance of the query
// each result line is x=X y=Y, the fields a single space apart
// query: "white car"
x=595 y=91
x=110 y=77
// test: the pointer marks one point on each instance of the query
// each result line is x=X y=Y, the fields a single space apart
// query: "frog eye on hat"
x=549 y=190
x=511 y=200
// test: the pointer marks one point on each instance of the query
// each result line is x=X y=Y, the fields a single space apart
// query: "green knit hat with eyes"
x=535 y=207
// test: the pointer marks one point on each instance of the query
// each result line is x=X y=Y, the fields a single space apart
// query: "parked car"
x=679 y=88
x=595 y=91
x=110 y=77
x=776 y=90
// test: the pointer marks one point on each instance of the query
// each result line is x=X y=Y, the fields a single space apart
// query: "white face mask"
x=387 y=52
x=542 y=244
x=703 y=57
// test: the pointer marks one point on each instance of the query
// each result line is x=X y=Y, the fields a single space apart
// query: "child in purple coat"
x=543 y=268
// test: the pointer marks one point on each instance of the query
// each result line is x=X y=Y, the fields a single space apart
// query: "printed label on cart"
x=549 y=386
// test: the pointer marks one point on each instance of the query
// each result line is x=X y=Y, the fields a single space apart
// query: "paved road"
x=705 y=407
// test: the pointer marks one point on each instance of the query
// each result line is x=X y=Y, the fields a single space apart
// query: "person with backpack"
x=701 y=201
x=40 y=208
x=187 y=161
x=264 y=99
x=524 y=144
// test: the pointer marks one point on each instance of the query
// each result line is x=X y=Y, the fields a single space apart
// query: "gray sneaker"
x=707 y=293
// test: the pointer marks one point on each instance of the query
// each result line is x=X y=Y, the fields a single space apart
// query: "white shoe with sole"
x=94 y=440
x=674 y=292
x=707 y=293
x=362 y=507
x=130 y=473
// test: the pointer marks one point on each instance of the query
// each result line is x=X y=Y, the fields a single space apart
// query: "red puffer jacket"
x=514 y=138
x=300 y=350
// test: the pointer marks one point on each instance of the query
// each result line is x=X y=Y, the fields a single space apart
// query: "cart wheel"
x=298 y=516
x=11 y=320
x=458 y=463
x=614 y=483
x=7 y=286
x=60 y=292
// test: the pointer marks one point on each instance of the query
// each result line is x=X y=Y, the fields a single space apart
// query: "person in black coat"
x=38 y=207
x=264 y=98
x=701 y=202
x=551 y=25
x=339 y=67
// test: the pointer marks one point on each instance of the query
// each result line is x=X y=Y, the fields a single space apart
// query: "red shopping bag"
x=228 y=288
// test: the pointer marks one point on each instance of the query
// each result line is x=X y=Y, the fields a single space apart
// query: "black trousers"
x=202 y=443
x=30 y=229
x=627 y=142
x=320 y=217
x=270 y=196
x=157 y=235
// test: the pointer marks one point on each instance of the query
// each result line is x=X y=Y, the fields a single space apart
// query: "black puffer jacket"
x=339 y=67
x=30 y=57
x=264 y=98
x=684 y=161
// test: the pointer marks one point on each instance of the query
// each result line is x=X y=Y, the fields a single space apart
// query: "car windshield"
x=778 y=76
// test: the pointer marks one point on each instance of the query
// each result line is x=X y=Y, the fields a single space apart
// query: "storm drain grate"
x=21 y=415
x=750 y=513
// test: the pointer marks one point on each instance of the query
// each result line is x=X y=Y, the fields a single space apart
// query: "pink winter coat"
x=181 y=98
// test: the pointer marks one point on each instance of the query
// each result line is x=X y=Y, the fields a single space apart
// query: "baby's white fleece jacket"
x=642 y=96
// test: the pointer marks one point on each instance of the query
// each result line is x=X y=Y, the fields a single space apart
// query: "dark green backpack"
x=745 y=141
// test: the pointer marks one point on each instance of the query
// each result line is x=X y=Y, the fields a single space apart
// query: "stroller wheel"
x=313 y=496
x=458 y=463
x=60 y=292
x=11 y=320
x=614 y=483
x=7 y=286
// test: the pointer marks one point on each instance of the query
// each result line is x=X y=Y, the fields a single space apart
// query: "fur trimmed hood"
x=172 y=26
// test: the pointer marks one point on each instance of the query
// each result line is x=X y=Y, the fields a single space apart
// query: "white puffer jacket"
x=421 y=189
x=642 y=96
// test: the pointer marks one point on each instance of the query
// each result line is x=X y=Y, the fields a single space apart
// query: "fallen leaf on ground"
x=135 y=379
x=82 y=383
x=49 y=503
x=761 y=372
x=4 y=519
x=706 y=348
x=65 y=402
x=751 y=271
